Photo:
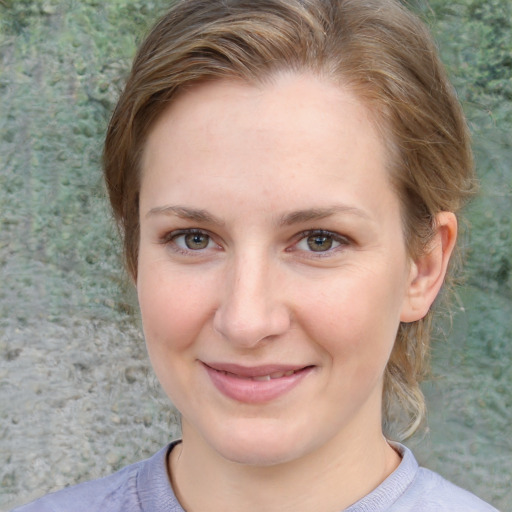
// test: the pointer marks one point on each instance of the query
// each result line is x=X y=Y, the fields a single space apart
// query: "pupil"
x=320 y=243
x=196 y=241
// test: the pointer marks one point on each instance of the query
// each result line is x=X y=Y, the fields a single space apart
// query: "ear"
x=429 y=270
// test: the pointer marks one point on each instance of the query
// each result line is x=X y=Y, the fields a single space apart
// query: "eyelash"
x=169 y=239
x=341 y=240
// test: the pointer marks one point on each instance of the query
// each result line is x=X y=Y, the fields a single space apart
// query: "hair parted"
x=379 y=50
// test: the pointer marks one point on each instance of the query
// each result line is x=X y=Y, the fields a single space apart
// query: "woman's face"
x=272 y=269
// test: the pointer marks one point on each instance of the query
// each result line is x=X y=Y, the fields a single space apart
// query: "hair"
x=376 y=48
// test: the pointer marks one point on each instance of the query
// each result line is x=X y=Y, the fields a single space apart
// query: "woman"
x=286 y=175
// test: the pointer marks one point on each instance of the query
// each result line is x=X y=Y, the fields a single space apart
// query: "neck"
x=332 y=478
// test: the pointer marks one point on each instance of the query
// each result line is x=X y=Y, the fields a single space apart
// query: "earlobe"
x=429 y=270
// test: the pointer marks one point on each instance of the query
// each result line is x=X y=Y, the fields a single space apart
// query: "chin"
x=261 y=446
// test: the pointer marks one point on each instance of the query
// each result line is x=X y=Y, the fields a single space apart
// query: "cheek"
x=172 y=312
x=172 y=308
x=353 y=319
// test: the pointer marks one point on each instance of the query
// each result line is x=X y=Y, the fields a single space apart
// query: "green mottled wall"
x=61 y=66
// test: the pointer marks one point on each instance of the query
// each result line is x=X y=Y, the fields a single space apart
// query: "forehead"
x=283 y=98
x=276 y=137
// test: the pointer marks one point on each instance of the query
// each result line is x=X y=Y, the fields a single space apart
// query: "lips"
x=255 y=384
x=264 y=377
x=275 y=375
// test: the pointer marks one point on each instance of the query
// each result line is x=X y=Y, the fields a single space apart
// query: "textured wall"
x=77 y=397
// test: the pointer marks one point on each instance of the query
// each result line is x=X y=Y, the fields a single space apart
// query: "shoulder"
x=90 y=496
x=112 y=493
x=430 y=492
x=123 y=491
x=438 y=494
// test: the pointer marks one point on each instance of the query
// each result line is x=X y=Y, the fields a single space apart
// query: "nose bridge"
x=251 y=308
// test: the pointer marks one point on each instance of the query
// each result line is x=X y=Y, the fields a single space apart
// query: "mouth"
x=259 y=373
x=270 y=376
x=257 y=384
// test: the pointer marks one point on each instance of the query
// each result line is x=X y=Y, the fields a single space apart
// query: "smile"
x=263 y=378
x=255 y=385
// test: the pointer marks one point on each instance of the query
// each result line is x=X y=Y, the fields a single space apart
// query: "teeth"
x=275 y=375
x=262 y=378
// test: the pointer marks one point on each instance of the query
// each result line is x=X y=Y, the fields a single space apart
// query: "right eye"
x=192 y=241
x=189 y=241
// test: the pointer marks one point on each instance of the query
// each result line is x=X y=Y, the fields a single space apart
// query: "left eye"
x=320 y=242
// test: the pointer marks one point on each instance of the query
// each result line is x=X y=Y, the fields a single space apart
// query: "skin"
x=237 y=182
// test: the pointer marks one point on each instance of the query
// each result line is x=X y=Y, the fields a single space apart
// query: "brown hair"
x=379 y=50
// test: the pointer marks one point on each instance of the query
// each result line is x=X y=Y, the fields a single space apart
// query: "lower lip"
x=255 y=391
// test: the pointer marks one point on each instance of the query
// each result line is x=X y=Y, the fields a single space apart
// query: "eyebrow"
x=288 y=219
x=185 y=212
x=310 y=214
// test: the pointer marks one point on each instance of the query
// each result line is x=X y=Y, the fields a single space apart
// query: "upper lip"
x=254 y=371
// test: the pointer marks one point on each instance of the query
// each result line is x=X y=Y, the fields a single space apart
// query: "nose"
x=252 y=308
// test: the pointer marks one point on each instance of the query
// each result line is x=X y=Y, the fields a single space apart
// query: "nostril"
x=251 y=327
x=250 y=308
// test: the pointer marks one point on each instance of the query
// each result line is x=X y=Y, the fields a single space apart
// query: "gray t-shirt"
x=145 y=487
